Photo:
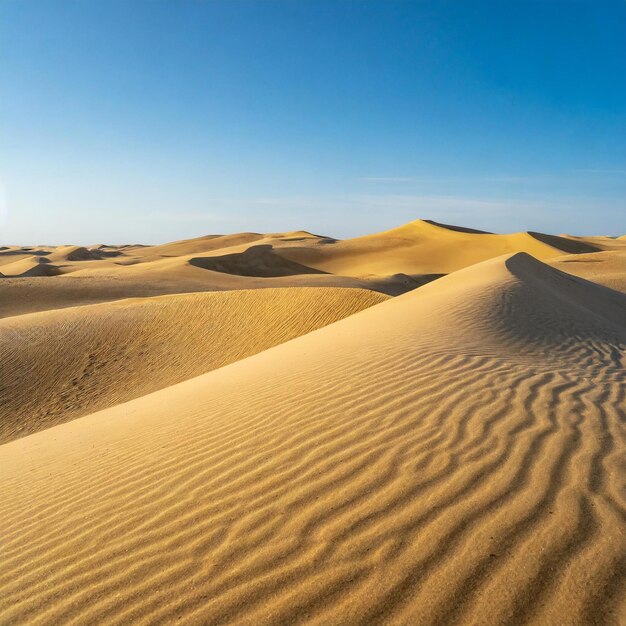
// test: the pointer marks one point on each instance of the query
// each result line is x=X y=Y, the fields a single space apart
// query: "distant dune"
x=74 y=253
x=607 y=268
x=28 y=266
x=280 y=451
x=423 y=247
x=392 y=262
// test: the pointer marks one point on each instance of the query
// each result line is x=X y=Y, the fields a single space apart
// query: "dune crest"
x=29 y=266
x=73 y=253
x=413 y=463
x=426 y=247
x=76 y=361
x=391 y=262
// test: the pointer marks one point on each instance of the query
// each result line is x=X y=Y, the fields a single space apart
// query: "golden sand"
x=65 y=363
x=453 y=455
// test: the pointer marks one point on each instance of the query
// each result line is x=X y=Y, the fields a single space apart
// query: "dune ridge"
x=452 y=455
x=391 y=262
x=60 y=365
x=29 y=266
x=426 y=247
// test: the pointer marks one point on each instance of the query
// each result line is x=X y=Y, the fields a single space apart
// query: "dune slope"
x=607 y=268
x=59 y=365
x=425 y=247
x=20 y=296
x=29 y=266
x=449 y=456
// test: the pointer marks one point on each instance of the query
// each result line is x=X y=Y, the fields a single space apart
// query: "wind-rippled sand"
x=454 y=455
x=62 y=364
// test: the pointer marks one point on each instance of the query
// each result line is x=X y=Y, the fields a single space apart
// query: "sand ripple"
x=379 y=470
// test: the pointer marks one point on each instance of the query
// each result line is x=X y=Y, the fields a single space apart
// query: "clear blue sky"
x=149 y=121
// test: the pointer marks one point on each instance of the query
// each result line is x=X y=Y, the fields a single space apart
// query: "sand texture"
x=452 y=455
x=606 y=268
x=62 y=364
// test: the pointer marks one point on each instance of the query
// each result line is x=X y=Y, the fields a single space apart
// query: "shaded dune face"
x=30 y=266
x=450 y=456
x=566 y=245
x=460 y=229
x=554 y=308
x=540 y=311
x=258 y=260
x=7 y=253
x=60 y=365
x=74 y=253
x=79 y=253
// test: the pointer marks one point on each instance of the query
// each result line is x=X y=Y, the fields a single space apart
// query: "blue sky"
x=148 y=121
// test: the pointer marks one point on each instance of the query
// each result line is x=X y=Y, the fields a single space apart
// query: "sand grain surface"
x=62 y=364
x=454 y=455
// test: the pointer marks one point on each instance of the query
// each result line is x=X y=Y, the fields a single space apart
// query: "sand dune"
x=452 y=455
x=28 y=266
x=10 y=254
x=29 y=295
x=73 y=253
x=41 y=261
x=221 y=242
x=59 y=365
x=600 y=242
x=392 y=262
x=257 y=260
x=198 y=245
x=606 y=268
x=426 y=247
x=213 y=263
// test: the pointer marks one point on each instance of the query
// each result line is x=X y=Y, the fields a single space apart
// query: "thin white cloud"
x=388 y=179
x=177 y=216
x=388 y=202
x=347 y=215
x=448 y=179
x=603 y=171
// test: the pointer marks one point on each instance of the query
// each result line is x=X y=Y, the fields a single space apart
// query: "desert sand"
x=78 y=360
x=422 y=426
x=392 y=262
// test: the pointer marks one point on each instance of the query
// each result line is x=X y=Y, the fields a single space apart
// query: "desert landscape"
x=425 y=425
